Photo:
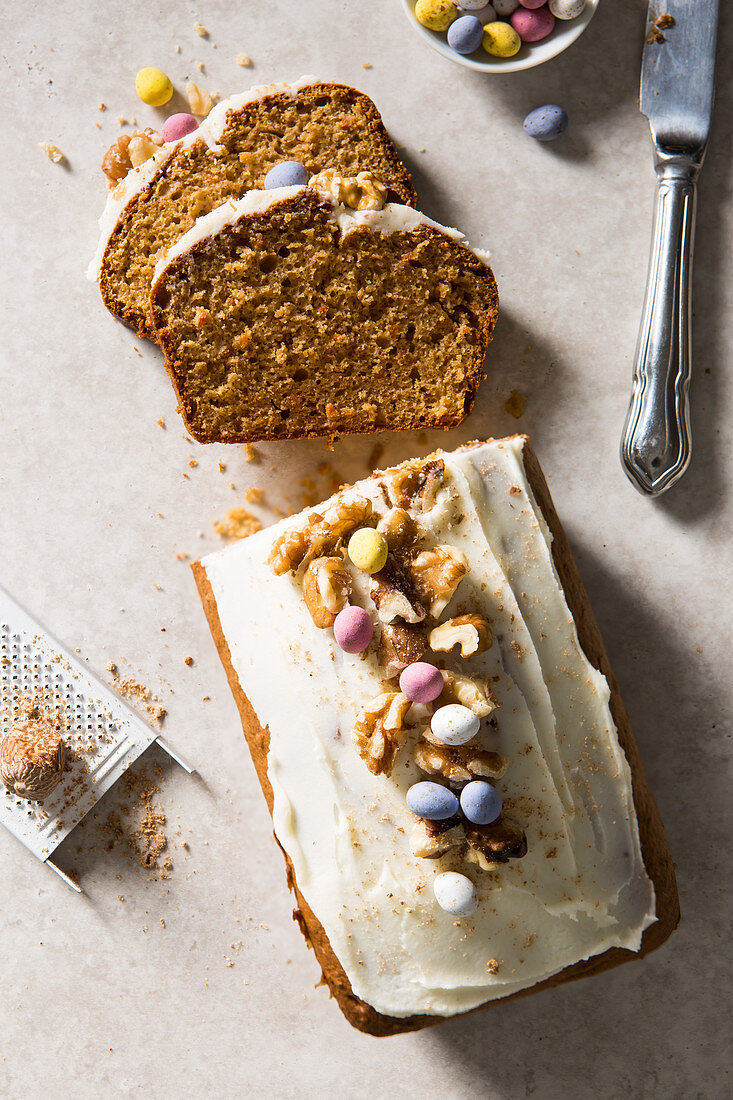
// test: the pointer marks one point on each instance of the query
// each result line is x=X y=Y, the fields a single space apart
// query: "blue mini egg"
x=480 y=802
x=432 y=801
x=465 y=34
x=546 y=123
x=289 y=173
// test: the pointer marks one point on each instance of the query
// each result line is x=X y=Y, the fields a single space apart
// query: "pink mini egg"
x=421 y=682
x=353 y=629
x=532 y=26
x=177 y=126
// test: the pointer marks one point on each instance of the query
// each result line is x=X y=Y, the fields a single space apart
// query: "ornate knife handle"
x=656 y=443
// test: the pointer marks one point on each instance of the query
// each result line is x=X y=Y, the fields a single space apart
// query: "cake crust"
x=654 y=846
x=116 y=254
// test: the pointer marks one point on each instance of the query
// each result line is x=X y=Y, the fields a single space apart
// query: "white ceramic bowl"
x=531 y=53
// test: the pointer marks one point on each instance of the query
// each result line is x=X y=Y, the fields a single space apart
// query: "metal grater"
x=105 y=736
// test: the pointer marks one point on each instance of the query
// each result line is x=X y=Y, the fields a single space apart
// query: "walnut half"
x=460 y=763
x=393 y=596
x=326 y=588
x=320 y=535
x=491 y=845
x=436 y=574
x=380 y=732
x=474 y=694
x=471 y=632
x=400 y=645
x=432 y=839
x=129 y=151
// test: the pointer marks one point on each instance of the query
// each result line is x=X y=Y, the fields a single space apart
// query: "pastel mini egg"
x=566 y=9
x=436 y=15
x=474 y=5
x=421 y=682
x=464 y=36
x=505 y=7
x=454 y=724
x=177 y=126
x=455 y=893
x=368 y=549
x=153 y=87
x=432 y=801
x=288 y=173
x=480 y=802
x=353 y=629
x=546 y=123
x=501 y=40
x=533 y=26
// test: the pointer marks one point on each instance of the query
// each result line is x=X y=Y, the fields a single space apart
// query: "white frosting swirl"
x=581 y=888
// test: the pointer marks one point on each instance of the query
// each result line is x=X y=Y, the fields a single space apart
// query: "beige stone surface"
x=99 y=997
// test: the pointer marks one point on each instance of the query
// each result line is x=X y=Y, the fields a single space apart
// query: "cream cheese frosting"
x=582 y=886
x=209 y=132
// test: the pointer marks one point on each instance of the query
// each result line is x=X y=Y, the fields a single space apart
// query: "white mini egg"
x=454 y=724
x=566 y=9
x=455 y=893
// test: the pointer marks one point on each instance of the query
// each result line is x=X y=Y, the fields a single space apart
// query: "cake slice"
x=287 y=314
x=574 y=876
x=317 y=123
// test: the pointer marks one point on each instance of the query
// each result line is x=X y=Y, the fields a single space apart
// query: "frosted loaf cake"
x=297 y=312
x=574 y=876
x=318 y=123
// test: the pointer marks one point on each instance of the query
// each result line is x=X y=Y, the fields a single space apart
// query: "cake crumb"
x=192 y=462
x=129 y=688
x=222 y=466
x=188 y=661
x=244 y=60
x=238 y=523
x=254 y=495
x=251 y=454
x=161 y=422
x=514 y=404
x=52 y=152
x=176 y=49
x=493 y=966
x=200 y=66
x=200 y=30
x=366 y=65
x=102 y=106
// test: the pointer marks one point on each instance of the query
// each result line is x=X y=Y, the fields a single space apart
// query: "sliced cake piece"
x=319 y=124
x=553 y=862
x=287 y=314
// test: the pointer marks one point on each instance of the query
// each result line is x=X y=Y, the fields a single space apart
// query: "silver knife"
x=677 y=90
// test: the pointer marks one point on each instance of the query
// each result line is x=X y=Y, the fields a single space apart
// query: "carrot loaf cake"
x=317 y=123
x=440 y=739
x=322 y=309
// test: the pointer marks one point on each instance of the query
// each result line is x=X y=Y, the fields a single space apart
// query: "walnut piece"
x=128 y=152
x=360 y=192
x=399 y=529
x=474 y=694
x=460 y=763
x=432 y=839
x=436 y=574
x=326 y=588
x=491 y=845
x=379 y=732
x=471 y=632
x=393 y=596
x=321 y=535
x=32 y=760
x=199 y=101
x=399 y=646
x=415 y=484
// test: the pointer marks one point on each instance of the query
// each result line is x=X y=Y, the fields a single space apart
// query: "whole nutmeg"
x=32 y=760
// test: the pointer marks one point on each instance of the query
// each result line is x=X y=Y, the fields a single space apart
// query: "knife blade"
x=677 y=93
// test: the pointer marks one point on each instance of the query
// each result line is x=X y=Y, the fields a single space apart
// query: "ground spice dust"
x=139 y=824
x=137 y=693
x=238 y=523
x=514 y=404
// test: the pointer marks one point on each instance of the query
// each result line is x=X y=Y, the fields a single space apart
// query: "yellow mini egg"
x=153 y=87
x=436 y=15
x=501 y=40
x=368 y=549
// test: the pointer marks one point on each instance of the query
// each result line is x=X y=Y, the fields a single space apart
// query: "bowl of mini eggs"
x=503 y=36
